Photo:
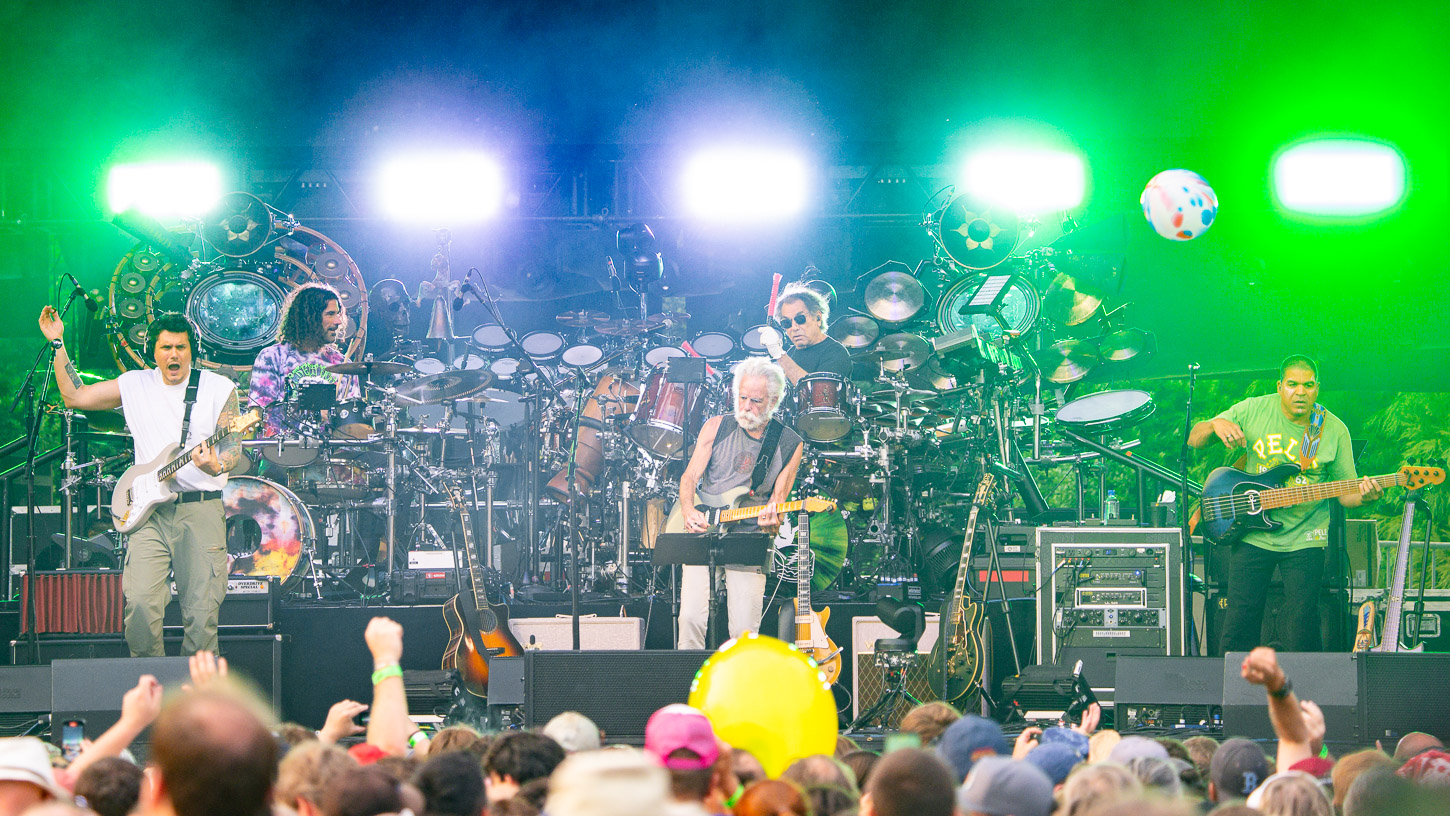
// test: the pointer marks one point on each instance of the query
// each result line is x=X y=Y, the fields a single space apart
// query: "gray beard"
x=749 y=423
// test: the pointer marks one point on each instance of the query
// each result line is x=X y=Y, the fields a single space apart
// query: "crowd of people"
x=216 y=750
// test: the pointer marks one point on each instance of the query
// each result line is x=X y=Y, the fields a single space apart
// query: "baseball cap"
x=1057 y=735
x=25 y=759
x=1238 y=767
x=678 y=726
x=1131 y=748
x=1055 y=759
x=1431 y=768
x=968 y=740
x=1001 y=786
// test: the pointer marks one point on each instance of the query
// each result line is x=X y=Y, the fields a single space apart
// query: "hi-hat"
x=378 y=368
x=909 y=349
x=581 y=318
x=1067 y=361
x=446 y=385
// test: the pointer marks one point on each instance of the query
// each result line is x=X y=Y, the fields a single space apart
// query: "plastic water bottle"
x=1110 y=505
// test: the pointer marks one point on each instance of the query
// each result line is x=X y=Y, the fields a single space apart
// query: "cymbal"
x=446 y=385
x=1067 y=361
x=887 y=355
x=378 y=368
x=894 y=296
x=627 y=327
x=104 y=422
x=854 y=331
x=1070 y=301
x=910 y=395
x=581 y=318
x=661 y=317
x=916 y=351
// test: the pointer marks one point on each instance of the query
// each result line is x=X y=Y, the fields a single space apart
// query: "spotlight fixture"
x=642 y=260
x=741 y=184
x=1342 y=178
x=441 y=188
x=164 y=189
x=1024 y=180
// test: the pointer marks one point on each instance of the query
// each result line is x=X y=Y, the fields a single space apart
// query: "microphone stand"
x=1187 y=567
x=46 y=354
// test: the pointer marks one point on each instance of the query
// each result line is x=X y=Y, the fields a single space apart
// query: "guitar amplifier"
x=868 y=681
x=251 y=603
x=430 y=586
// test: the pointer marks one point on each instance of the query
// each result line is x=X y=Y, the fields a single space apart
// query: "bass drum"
x=612 y=397
x=269 y=531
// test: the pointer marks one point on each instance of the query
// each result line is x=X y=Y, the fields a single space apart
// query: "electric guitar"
x=957 y=654
x=1235 y=502
x=810 y=625
x=1390 y=642
x=732 y=512
x=144 y=487
x=477 y=629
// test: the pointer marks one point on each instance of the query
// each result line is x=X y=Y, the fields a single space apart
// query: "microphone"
x=91 y=304
x=614 y=282
x=148 y=229
x=463 y=291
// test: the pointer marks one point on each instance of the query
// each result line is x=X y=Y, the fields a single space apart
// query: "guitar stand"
x=896 y=664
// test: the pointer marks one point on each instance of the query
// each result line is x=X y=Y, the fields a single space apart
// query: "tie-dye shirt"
x=284 y=364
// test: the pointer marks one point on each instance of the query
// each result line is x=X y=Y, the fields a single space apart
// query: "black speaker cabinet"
x=1400 y=693
x=91 y=689
x=618 y=690
x=1328 y=678
x=24 y=698
x=1168 y=692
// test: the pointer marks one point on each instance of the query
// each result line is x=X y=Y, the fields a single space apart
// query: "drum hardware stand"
x=1186 y=561
x=68 y=485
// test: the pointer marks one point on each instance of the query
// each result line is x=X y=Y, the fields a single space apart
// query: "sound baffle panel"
x=617 y=690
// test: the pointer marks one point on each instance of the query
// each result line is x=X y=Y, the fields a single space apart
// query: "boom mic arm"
x=149 y=230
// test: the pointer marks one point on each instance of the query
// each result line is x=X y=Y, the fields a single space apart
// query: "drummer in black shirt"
x=803 y=315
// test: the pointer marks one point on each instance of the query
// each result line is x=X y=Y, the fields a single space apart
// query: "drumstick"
x=774 y=290
x=690 y=350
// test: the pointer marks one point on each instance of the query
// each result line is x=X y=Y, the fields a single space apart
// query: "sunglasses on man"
x=784 y=323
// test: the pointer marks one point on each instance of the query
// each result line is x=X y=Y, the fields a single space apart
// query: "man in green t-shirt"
x=1271 y=429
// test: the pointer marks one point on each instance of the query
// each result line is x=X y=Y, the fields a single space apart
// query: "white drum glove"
x=770 y=338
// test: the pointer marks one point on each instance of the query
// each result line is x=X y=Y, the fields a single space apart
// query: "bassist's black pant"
x=1250 y=569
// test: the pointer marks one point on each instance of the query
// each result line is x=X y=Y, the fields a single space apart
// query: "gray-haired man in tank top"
x=724 y=458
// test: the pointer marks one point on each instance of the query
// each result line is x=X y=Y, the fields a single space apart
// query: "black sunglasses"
x=800 y=320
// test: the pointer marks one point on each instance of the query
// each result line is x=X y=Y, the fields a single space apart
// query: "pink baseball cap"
x=677 y=727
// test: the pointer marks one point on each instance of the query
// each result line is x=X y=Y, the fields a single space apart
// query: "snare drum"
x=821 y=401
x=659 y=354
x=664 y=412
x=269 y=531
x=491 y=337
x=714 y=346
x=464 y=362
x=1106 y=411
x=351 y=420
x=542 y=345
x=581 y=355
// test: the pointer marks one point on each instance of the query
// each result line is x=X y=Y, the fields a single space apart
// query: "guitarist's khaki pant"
x=744 y=602
x=191 y=541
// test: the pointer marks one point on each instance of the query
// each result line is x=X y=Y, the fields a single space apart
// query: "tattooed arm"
x=94 y=397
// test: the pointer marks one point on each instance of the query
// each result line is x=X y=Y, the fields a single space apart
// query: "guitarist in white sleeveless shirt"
x=1273 y=430
x=186 y=537
x=724 y=458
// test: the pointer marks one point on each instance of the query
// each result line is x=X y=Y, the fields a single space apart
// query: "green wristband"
x=387 y=671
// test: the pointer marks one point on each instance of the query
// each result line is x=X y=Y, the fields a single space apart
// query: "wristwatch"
x=57 y=344
x=1282 y=691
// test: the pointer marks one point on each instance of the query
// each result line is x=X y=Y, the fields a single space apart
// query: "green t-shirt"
x=1273 y=440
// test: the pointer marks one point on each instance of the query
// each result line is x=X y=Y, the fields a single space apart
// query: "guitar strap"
x=191 y=387
x=762 y=459
x=1310 y=448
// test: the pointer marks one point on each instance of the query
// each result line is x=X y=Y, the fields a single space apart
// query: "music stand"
x=712 y=550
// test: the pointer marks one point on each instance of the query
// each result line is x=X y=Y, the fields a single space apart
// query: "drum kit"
x=958 y=365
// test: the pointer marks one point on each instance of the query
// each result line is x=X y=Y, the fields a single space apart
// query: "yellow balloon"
x=769 y=699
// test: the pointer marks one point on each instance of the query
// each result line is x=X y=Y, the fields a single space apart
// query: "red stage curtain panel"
x=74 y=602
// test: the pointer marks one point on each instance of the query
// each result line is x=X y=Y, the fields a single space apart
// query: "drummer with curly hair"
x=312 y=322
x=803 y=315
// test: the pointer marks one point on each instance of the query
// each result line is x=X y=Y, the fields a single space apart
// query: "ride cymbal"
x=581 y=318
x=446 y=385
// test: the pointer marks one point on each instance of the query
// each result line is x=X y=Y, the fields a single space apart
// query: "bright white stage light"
x=1026 y=180
x=745 y=184
x=1340 y=178
x=441 y=188
x=164 y=189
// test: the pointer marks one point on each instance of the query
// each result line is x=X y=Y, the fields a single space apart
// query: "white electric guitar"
x=144 y=487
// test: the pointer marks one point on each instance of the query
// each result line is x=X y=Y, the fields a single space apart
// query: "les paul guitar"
x=1235 y=502
x=144 y=487
x=477 y=629
x=957 y=655
x=810 y=625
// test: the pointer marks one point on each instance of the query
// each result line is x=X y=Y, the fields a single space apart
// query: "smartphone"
x=71 y=734
x=901 y=740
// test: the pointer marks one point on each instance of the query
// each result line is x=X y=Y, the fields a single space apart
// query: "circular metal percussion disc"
x=1069 y=302
x=1019 y=309
x=894 y=297
x=236 y=310
x=977 y=235
x=855 y=331
x=1067 y=361
x=446 y=385
x=582 y=318
x=913 y=350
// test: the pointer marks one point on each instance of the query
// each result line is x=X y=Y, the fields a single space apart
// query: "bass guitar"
x=957 y=655
x=477 y=629
x=1235 y=502
x=810 y=625
x=1394 y=604
x=144 y=487
x=734 y=511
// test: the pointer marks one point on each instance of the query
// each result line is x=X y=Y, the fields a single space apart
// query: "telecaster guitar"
x=143 y=488
x=1235 y=502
